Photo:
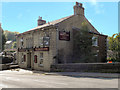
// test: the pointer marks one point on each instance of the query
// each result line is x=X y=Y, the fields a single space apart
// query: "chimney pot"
x=78 y=9
x=40 y=21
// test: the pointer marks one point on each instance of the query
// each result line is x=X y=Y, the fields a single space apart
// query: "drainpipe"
x=56 y=43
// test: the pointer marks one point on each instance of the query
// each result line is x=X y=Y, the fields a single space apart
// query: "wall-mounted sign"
x=63 y=35
x=42 y=49
x=21 y=50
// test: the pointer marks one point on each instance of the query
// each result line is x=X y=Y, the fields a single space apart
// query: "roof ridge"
x=54 y=22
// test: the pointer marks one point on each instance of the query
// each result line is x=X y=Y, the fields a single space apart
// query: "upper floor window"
x=29 y=42
x=41 y=41
x=21 y=40
x=46 y=41
x=95 y=41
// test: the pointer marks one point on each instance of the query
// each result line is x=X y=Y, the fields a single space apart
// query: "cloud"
x=98 y=7
x=94 y=2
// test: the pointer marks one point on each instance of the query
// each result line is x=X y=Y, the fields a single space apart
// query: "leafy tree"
x=114 y=45
x=10 y=35
x=3 y=40
x=14 y=45
x=83 y=45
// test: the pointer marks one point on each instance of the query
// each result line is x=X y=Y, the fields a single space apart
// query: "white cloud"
x=93 y=2
x=98 y=7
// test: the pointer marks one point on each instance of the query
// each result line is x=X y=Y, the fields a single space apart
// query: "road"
x=16 y=79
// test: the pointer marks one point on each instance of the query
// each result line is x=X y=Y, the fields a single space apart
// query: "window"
x=41 y=41
x=24 y=58
x=46 y=41
x=21 y=42
x=35 y=58
x=95 y=41
x=41 y=59
x=41 y=55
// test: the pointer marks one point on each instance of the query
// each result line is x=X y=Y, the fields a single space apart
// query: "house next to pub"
x=39 y=47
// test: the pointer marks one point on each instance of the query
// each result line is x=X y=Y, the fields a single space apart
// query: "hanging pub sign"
x=42 y=49
x=63 y=35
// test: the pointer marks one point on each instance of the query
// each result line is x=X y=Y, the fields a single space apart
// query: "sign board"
x=21 y=50
x=63 y=35
x=42 y=49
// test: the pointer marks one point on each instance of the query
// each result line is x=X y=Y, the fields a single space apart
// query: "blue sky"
x=22 y=16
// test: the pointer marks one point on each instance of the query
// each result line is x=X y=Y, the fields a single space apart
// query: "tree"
x=14 y=45
x=83 y=45
x=10 y=35
x=114 y=45
x=3 y=40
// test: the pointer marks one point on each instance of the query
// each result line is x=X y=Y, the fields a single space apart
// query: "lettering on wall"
x=64 y=35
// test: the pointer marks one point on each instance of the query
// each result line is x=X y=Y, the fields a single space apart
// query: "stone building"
x=8 y=44
x=39 y=47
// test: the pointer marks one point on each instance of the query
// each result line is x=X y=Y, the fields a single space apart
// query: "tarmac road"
x=16 y=79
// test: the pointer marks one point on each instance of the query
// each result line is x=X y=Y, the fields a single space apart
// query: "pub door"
x=29 y=60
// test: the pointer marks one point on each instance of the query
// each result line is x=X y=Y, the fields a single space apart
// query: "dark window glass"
x=35 y=58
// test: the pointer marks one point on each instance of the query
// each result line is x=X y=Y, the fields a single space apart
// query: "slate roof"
x=54 y=23
x=48 y=24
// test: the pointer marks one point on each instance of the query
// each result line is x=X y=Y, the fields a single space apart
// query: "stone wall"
x=87 y=67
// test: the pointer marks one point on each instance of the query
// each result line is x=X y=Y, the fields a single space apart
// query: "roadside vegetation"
x=10 y=36
x=114 y=48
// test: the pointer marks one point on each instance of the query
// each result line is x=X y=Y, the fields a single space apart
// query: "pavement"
x=75 y=74
x=20 y=78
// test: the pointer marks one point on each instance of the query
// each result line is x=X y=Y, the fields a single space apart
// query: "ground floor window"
x=41 y=59
x=23 y=58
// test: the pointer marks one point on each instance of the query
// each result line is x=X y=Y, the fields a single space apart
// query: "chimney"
x=40 y=21
x=78 y=9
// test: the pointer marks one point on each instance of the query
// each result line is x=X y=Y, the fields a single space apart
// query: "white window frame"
x=22 y=58
x=95 y=43
x=41 y=58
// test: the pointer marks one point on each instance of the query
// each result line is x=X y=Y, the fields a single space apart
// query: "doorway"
x=29 y=60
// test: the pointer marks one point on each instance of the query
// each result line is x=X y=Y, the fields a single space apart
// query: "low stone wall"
x=4 y=66
x=87 y=67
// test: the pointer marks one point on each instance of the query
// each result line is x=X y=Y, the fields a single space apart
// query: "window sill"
x=40 y=65
x=95 y=45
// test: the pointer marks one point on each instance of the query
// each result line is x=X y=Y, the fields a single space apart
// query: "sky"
x=22 y=16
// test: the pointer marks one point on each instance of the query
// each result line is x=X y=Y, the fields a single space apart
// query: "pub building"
x=52 y=43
